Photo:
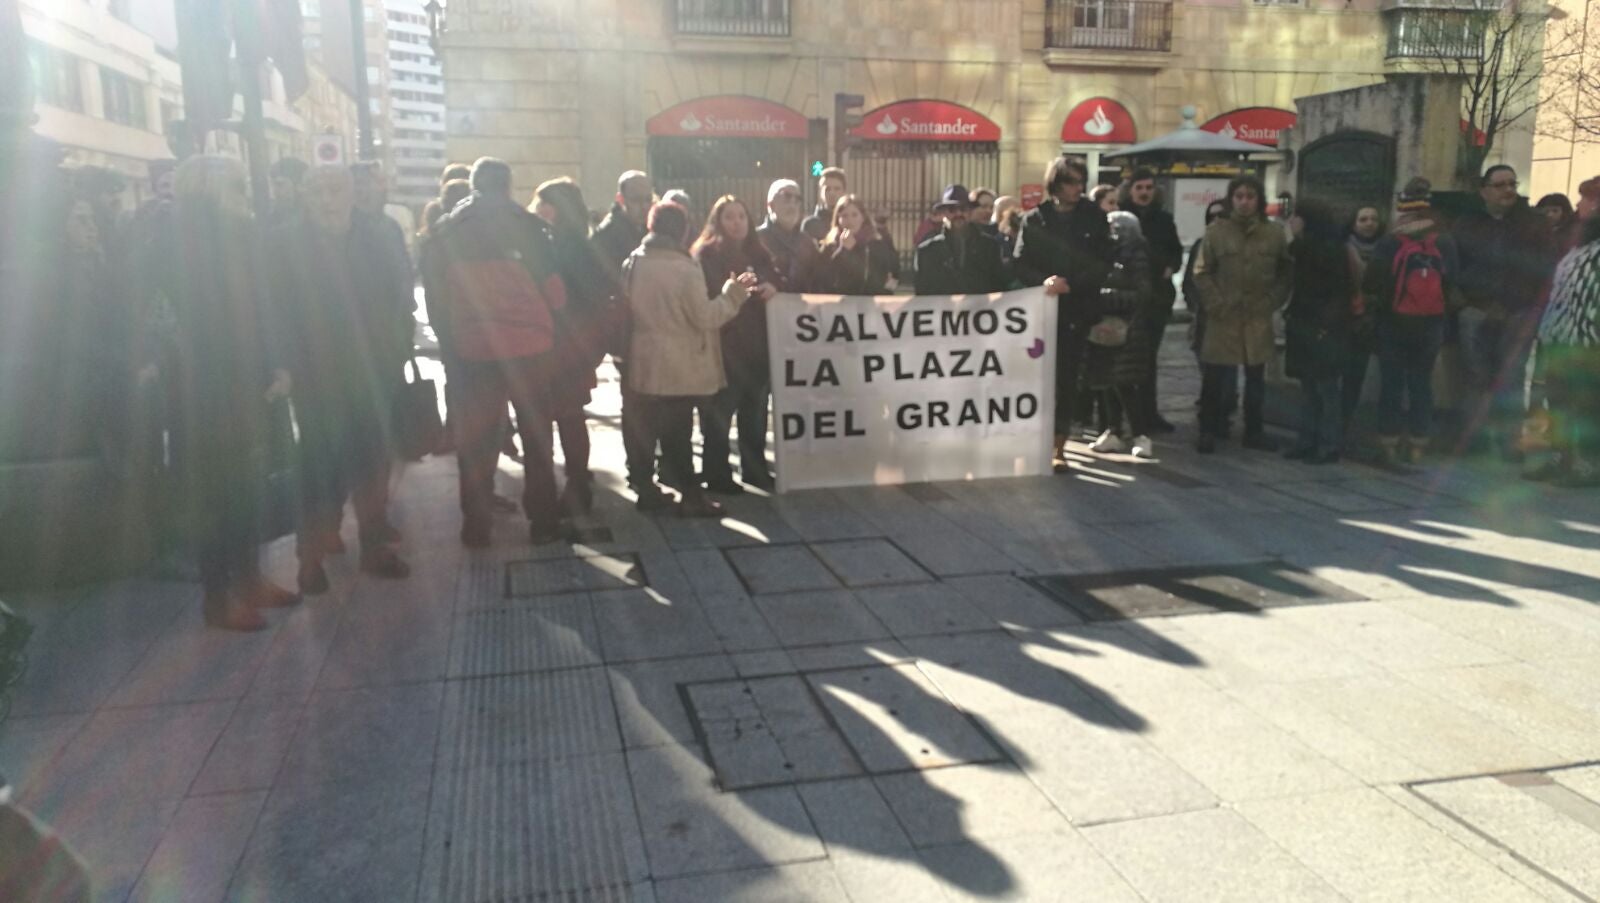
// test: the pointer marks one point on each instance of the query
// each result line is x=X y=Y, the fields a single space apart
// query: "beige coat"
x=1244 y=273
x=675 y=347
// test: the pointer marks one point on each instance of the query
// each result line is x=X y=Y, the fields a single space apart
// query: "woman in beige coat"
x=1244 y=274
x=675 y=351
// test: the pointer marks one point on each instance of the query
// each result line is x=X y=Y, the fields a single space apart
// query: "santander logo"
x=689 y=122
x=886 y=126
x=1098 y=125
x=1227 y=130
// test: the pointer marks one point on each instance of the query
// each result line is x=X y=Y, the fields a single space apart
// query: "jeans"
x=343 y=456
x=1072 y=340
x=1130 y=400
x=743 y=401
x=486 y=388
x=1495 y=352
x=1321 y=415
x=1355 y=377
x=1407 y=349
x=639 y=450
x=1215 y=382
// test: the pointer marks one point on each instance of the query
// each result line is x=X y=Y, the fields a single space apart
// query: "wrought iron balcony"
x=733 y=18
x=1432 y=33
x=1137 y=25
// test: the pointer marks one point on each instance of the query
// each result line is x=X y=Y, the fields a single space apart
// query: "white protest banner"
x=908 y=389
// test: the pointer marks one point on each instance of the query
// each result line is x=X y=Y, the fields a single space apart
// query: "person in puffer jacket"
x=675 y=351
x=1118 y=372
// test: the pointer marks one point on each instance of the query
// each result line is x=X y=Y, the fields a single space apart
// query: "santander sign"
x=926 y=120
x=728 y=116
x=1258 y=125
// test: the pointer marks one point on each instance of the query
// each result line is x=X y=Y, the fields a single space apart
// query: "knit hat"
x=780 y=185
x=1416 y=196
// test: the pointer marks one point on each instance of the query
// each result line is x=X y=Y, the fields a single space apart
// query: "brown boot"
x=224 y=611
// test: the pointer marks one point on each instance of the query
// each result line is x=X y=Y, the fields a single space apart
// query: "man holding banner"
x=1065 y=246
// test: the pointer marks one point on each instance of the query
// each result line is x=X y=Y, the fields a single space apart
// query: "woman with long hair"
x=1362 y=236
x=727 y=247
x=228 y=375
x=1116 y=370
x=582 y=329
x=855 y=259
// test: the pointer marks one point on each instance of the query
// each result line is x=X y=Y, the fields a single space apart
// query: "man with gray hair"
x=617 y=236
x=793 y=252
x=346 y=308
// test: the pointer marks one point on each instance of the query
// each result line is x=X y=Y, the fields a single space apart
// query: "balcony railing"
x=733 y=18
x=1436 y=34
x=1109 y=25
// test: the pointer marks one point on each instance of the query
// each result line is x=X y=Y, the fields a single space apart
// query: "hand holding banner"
x=897 y=389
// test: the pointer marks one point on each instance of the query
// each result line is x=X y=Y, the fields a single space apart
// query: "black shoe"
x=763 y=481
x=313 y=579
x=1162 y=426
x=1206 y=444
x=1260 y=442
x=577 y=497
x=652 y=499
x=1300 y=453
x=544 y=534
x=725 y=487
x=384 y=562
x=1330 y=457
x=476 y=537
x=503 y=505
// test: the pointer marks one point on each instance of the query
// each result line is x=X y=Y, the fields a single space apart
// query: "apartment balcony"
x=1440 y=31
x=1134 y=34
x=732 y=18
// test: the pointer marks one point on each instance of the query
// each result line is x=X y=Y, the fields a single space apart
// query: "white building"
x=105 y=90
x=415 y=130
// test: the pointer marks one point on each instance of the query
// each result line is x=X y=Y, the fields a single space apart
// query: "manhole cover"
x=1124 y=595
x=584 y=574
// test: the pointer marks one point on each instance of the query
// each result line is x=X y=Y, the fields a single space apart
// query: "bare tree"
x=1569 y=107
x=1495 y=47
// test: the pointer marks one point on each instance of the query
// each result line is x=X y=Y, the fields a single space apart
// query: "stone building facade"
x=747 y=88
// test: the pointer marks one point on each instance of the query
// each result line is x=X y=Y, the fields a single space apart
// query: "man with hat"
x=959 y=259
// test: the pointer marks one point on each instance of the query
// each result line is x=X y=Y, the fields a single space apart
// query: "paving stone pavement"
x=865 y=695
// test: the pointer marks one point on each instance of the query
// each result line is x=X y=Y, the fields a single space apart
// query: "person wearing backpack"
x=1409 y=285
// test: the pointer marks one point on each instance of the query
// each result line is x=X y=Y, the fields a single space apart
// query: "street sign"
x=328 y=150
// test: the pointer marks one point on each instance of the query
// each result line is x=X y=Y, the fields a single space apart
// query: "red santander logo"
x=926 y=120
x=1099 y=120
x=1257 y=125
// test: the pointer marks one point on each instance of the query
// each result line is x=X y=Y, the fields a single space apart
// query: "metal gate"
x=902 y=181
x=708 y=168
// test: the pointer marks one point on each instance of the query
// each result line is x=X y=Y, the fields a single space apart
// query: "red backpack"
x=1418 y=278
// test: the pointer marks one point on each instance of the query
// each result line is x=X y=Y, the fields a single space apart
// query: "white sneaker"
x=1143 y=447
x=1108 y=443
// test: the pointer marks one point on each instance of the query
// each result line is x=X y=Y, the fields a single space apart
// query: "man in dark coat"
x=1140 y=197
x=350 y=328
x=492 y=280
x=1507 y=258
x=794 y=253
x=959 y=259
x=1065 y=245
x=617 y=236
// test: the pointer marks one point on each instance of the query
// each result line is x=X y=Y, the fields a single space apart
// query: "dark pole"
x=253 y=129
x=358 y=47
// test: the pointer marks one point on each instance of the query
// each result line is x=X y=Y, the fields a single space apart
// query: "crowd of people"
x=240 y=319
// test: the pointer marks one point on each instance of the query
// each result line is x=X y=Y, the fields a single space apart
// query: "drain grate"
x=1127 y=595
x=583 y=574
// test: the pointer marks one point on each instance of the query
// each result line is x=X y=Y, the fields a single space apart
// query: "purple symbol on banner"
x=1036 y=350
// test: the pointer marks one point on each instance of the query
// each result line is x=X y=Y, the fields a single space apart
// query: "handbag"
x=418 y=429
x=278 y=468
x=1109 y=332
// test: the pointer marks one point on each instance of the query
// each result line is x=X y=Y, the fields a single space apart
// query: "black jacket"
x=1166 y=249
x=862 y=270
x=1074 y=244
x=1506 y=263
x=744 y=338
x=1322 y=312
x=616 y=237
x=817 y=224
x=794 y=256
x=968 y=264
